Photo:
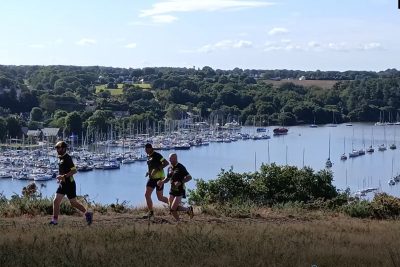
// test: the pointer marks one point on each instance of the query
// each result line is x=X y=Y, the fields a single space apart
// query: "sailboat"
x=328 y=163
x=333 y=124
x=382 y=147
x=371 y=149
x=397 y=119
x=381 y=119
x=354 y=152
x=313 y=125
x=393 y=146
x=392 y=181
x=362 y=151
x=343 y=156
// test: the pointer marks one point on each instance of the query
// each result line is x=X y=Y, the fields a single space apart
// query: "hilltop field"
x=119 y=90
x=266 y=238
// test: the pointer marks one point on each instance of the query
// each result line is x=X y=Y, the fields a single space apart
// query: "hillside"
x=268 y=238
x=325 y=84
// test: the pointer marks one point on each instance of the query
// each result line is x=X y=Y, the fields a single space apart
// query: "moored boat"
x=280 y=131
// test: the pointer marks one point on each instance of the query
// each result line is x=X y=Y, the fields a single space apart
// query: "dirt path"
x=131 y=218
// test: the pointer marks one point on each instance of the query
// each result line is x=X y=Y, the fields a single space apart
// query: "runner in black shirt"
x=66 y=169
x=156 y=164
x=178 y=175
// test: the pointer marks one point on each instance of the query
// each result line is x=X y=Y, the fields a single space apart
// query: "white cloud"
x=314 y=44
x=37 y=45
x=372 y=46
x=224 y=45
x=271 y=46
x=165 y=8
x=131 y=45
x=163 y=18
x=343 y=46
x=139 y=23
x=285 y=45
x=278 y=30
x=242 y=44
x=58 y=41
x=86 y=42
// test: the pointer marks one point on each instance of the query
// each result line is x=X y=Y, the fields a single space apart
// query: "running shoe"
x=190 y=212
x=149 y=215
x=89 y=217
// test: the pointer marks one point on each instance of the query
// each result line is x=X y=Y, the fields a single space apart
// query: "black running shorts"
x=68 y=189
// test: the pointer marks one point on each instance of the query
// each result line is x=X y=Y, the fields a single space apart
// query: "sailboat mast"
x=329 y=151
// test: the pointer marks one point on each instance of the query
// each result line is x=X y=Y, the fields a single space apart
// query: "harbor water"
x=301 y=146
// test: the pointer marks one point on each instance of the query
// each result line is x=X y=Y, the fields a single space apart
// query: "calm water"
x=302 y=145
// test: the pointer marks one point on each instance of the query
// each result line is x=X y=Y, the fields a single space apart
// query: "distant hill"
x=324 y=84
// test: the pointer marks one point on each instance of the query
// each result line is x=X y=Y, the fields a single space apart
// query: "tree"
x=174 y=112
x=104 y=94
x=111 y=85
x=13 y=127
x=60 y=86
x=203 y=109
x=60 y=114
x=48 y=104
x=3 y=129
x=208 y=71
x=73 y=123
x=28 y=100
x=36 y=114
x=34 y=125
x=100 y=120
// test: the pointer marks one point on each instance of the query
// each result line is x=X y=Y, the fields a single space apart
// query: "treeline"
x=60 y=96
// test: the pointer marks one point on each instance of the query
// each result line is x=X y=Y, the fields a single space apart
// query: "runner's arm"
x=187 y=178
x=70 y=173
x=164 y=163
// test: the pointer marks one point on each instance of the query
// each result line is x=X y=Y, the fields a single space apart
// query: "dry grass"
x=324 y=84
x=143 y=85
x=269 y=238
x=119 y=90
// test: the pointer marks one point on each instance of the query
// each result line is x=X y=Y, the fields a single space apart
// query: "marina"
x=113 y=170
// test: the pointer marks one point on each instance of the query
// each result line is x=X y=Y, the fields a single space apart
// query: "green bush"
x=385 y=206
x=342 y=198
x=228 y=187
x=272 y=184
x=358 y=209
x=23 y=205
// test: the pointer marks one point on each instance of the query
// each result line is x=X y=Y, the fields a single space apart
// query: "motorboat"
x=280 y=131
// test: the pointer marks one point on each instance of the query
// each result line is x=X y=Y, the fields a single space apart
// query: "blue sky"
x=254 y=34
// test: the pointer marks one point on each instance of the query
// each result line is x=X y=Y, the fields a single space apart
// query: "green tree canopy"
x=3 y=129
x=36 y=114
x=73 y=123
x=13 y=127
